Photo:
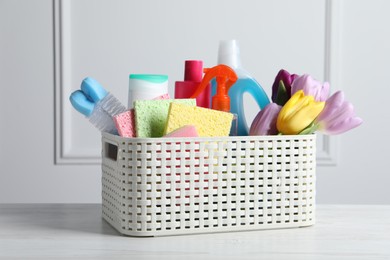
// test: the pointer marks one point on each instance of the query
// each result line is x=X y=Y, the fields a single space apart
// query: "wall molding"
x=64 y=152
x=327 y=150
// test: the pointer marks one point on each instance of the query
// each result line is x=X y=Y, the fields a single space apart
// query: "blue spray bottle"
x=229 y=54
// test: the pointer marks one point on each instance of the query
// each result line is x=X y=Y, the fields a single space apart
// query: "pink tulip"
x=265 y=121
x=310 y=87
x=338 y=116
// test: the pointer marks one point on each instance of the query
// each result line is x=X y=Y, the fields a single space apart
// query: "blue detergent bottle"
x=229 y=54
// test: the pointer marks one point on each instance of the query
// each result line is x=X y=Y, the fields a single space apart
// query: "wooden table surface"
x=77 y=231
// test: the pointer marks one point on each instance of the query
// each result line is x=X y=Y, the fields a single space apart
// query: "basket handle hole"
x=111 y=151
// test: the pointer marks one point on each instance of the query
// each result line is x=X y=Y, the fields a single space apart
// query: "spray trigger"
x=225 y=78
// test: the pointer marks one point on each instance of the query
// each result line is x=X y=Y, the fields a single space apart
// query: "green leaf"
x=310 y=129
x=281 y=95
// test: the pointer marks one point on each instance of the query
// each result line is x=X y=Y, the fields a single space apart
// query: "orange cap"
x=225 y=77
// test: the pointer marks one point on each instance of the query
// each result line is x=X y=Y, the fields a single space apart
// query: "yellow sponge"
x=208 y=122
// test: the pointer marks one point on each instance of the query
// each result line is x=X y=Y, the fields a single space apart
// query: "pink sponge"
x=185 y=131
x=124 y=123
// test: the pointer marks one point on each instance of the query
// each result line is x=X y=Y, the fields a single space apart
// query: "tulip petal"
x=331 y=106
x=344 y=126
x=324 y=92
x=338 y=116
x=298 y=113
x=265 y=121
x=298 y=84
x=345 y=111
x=311 y=87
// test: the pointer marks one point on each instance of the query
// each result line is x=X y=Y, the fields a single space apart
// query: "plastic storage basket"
x=161 y=186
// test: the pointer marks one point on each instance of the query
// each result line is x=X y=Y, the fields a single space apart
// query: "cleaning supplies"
x=146 y=87
x=97 y=105
x=225 y=78
x=193 y=74
x=151 y=115
x=208 y=122
x=229 y=54
x=125 y=122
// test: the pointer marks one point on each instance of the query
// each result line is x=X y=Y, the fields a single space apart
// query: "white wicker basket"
x=160 y=186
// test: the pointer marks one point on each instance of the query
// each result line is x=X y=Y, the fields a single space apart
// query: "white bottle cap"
x=229 y=53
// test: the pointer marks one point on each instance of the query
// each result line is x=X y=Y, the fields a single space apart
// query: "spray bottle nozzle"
x=225 y=77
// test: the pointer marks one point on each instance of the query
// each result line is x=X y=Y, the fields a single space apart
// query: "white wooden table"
x=77 y=231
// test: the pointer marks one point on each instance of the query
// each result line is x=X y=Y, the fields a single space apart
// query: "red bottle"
x=193 y=74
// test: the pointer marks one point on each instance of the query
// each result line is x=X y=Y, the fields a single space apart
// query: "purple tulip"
x=265 y=121
x=310 y=87
x=287 y=80
x=338 y=116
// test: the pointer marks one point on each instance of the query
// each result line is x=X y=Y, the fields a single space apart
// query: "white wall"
x=49 y=153
x=361 y=175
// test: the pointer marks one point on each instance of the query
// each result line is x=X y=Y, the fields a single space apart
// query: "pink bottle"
x=193 y=74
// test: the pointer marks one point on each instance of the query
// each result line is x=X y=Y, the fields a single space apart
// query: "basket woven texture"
x=161 y=186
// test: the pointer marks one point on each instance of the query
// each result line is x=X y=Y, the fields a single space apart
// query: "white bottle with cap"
x=229 y=54
x=146 y=87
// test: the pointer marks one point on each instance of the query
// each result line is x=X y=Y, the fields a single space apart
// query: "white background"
x=50 y=153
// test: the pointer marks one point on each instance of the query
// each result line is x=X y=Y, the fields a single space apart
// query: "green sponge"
x=151 y=115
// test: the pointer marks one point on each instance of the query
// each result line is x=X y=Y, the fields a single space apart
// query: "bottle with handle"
x=229 y=54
